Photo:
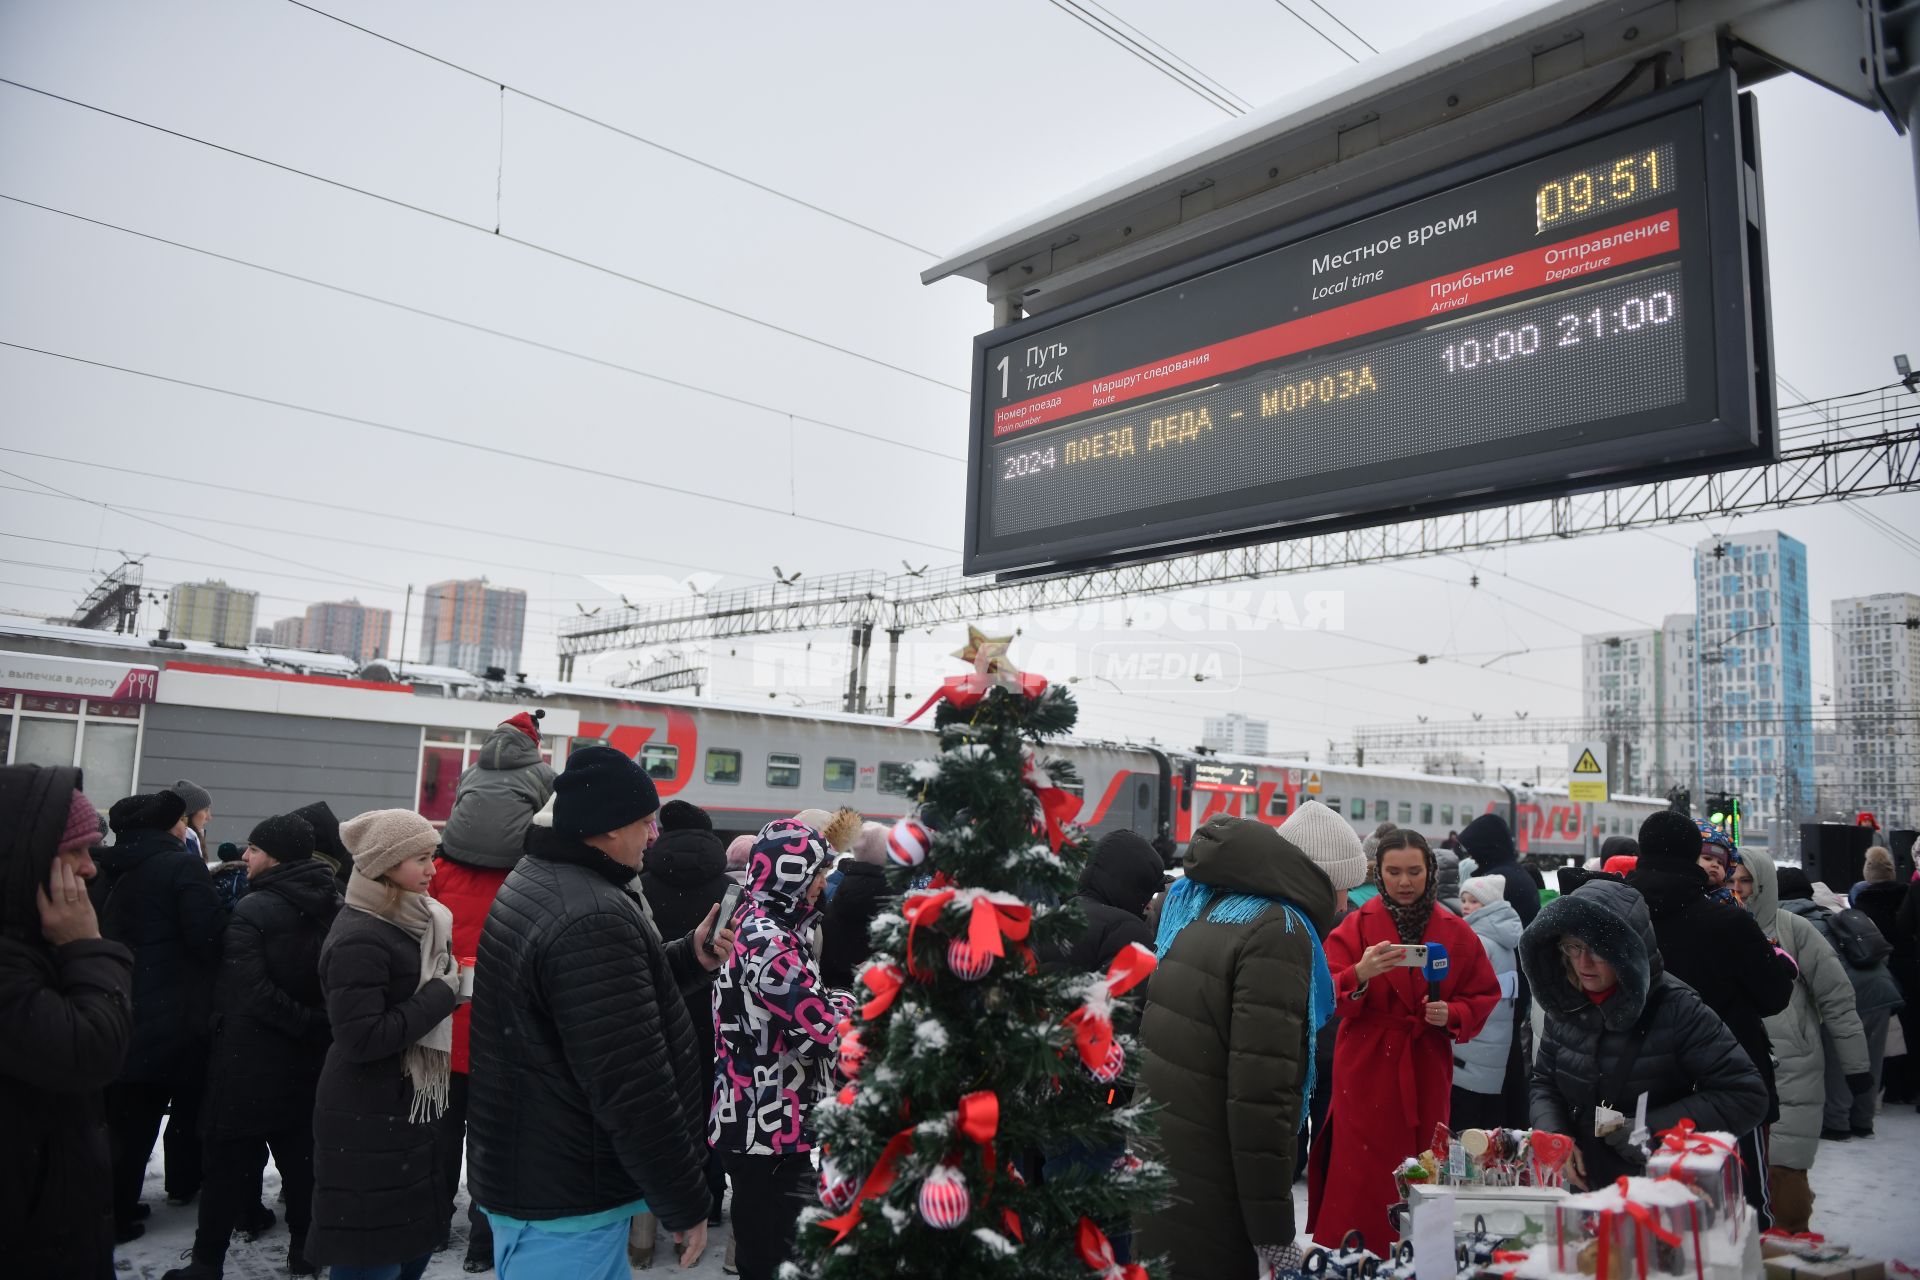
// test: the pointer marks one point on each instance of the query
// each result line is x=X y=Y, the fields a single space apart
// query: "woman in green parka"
x=1228 y=1033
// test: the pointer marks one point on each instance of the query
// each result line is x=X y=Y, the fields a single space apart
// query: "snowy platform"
x=1863 y=1193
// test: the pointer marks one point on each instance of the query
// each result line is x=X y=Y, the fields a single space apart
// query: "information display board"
x=1581 y=310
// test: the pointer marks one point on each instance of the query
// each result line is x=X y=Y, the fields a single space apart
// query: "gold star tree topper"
x=988 y=654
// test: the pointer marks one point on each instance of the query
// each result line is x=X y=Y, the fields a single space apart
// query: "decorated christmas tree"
x=966 y=1062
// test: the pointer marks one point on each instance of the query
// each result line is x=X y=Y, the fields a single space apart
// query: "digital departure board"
x=1581 y=310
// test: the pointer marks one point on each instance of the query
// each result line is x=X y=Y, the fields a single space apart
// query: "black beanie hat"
x=158 y=811
x=680 y=815
x=230 y=852
x=1670 y=841
x=601 y=790
x=284 y=838
x=1793 y=884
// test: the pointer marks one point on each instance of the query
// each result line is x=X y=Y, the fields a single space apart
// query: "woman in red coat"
x=1393 y=1059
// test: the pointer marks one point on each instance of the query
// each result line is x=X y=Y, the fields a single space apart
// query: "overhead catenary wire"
x=1110 y=29
x=1344 y=52
x=251 y=492
x=1365 y=43
x=676 y=153
x=472 y=326
x=455 y=442
x=492 y=234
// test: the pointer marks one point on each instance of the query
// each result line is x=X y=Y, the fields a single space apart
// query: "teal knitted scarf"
x=1188 y=900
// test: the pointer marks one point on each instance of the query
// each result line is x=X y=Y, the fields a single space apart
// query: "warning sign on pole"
x=1587 y=773
x=1313 y=784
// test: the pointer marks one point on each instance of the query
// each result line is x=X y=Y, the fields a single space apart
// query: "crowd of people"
x=609 y=1018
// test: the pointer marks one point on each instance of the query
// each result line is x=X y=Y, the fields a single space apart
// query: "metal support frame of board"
x=1853 y=446
x=1463 y=91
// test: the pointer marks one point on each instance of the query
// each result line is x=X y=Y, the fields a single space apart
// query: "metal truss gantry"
x=1855 y=446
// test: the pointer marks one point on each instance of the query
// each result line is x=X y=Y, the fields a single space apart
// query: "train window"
x=1379 y=810
x=1446 y=815
x=1426 y=815
x=1333 y=804
x=783 y=769
x=1142 y=793
x=660 y=759
x=1277 y=806
x=1359 y=810
x=895 y=778
x=840 y=774
x=1406 y=812
x=723 y=766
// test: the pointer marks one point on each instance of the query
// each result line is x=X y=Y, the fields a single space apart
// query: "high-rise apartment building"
x=1636 y=691
x=471 y=625
x=212 y=612
x=1753 y=678
x=1235 y=734
x=289 y=633
x=1876 y=684
x=348 y=628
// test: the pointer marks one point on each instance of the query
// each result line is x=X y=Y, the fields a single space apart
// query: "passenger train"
x=265 y=730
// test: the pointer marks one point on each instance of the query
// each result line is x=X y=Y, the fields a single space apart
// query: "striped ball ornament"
x=836 y=1189
x=944 y=1202
x=967 y=963
x=1109 y=1069
x=909 y=842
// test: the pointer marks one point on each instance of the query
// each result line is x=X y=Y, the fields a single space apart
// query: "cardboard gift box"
x=1794 y=1267
x=1636 y=1227
x=1514 y=1217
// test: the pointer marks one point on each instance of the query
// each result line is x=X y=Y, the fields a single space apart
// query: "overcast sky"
x=927 y=124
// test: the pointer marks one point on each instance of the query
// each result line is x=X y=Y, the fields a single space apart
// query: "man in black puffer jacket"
x=587 y=1095
x=1720 y=952
x=270 y=1040
x=1116 y=885
x=158 y=899
x=1687 y=1062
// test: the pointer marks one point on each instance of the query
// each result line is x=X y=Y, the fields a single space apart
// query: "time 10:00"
x=1629 y=316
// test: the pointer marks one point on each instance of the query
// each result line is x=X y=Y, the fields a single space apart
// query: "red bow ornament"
x=1057 y=805
x=967 y=691
x=1092 y=1022
x=1097 y=1252
x=978 y=1118
x=992 y=917
x=885 y=980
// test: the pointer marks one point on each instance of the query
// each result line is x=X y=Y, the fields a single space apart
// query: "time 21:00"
x=1627 y=316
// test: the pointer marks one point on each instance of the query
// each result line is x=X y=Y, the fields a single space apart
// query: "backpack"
x=1857 y=938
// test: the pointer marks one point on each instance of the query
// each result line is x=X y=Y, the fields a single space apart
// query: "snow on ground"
x=170 y=1234
x=1864 y=1198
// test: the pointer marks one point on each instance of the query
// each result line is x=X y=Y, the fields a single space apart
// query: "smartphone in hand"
x=729 y=902
x=1415 y=957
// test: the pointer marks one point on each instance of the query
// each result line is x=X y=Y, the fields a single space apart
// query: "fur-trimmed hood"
x=1611 y=918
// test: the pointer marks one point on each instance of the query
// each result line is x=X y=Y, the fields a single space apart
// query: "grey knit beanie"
x=382 y=839
x=1325 y=837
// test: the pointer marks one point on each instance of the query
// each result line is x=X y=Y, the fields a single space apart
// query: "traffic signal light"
x=1723 y=811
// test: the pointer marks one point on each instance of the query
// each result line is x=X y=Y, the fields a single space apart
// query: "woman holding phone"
x=1393 y=1061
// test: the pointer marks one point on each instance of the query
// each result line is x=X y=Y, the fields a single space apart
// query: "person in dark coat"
x=1228 y=1037
x=1333 y=846
x=326 y=840
x=1594 y=963
x=158 y=899
x=66 y=1024
x=683 y=877
x=572 y=970
x=391 y=984
x=849 y=914
x=1721 y=953
x=270 y=1037
x=1881 y=896
x=1120 y=878
x=1489 y=842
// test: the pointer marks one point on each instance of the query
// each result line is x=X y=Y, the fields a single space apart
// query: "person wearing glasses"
x=1618 y=1026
